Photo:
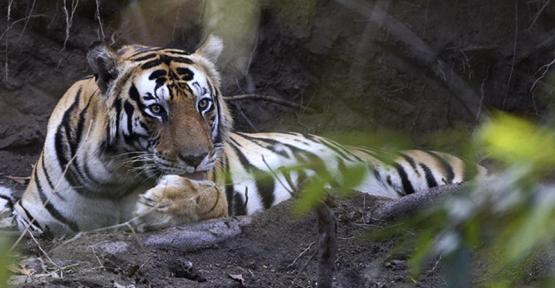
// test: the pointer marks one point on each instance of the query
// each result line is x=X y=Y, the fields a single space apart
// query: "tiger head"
x=165 y=108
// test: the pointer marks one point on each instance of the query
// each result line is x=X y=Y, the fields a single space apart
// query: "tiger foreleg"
x=177 y=200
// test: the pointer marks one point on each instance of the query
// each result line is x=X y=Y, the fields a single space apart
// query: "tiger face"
x=165 y=107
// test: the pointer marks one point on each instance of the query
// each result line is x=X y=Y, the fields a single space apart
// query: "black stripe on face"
x=450 y=174
x=407 y=186
x=117 y=105
x=134 y=95
x=264 y=181
x=50 y=208
x=429 y=176
x=150 y=64
x=146 y=57
x=185 y=73
x=157 y=74
x=219 y=113
x=168 y=59
x=129 y=112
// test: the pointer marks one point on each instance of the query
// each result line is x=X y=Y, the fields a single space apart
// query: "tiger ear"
x=103 y=61
x=211 y=48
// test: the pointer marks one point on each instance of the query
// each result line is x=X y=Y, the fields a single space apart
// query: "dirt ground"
x=257 y=256
x=364 y=74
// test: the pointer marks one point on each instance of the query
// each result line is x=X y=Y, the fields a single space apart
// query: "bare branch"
x=69 y=19
x=540 y=11
x=102 y=36
x=27 y=20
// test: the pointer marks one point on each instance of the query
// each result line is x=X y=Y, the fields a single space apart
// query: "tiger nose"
x=193 y=159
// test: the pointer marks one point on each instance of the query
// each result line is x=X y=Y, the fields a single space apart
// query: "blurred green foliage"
x=317 y=187
x=502 y=223
x=490 y=232
x=5 y=261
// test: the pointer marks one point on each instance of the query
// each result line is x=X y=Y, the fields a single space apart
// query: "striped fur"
x=150 y=112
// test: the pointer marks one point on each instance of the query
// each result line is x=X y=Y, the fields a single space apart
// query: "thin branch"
x=27 y=19
x=42 y=250
x=271 y=99
x=301 y=254
x=513 y=61
x=546 y=69
x=69 y=19
x=545 y=4
x=102 y=36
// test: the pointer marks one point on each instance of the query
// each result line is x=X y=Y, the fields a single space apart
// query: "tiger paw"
x=177 y=200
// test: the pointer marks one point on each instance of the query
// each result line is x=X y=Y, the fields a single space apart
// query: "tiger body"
x=150 y=135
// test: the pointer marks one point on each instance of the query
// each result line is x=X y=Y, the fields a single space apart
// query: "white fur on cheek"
x=145 y=85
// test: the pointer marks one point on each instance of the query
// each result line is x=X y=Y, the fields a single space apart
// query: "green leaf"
x=517 y=141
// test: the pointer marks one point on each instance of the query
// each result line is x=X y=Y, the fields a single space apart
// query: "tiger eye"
x=156 y=108
x=203 y=103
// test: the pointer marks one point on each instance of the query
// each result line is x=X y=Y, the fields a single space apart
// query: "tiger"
x=149 y=138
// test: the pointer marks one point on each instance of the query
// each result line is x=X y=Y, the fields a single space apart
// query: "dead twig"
x=301 y=254
x=69 y=19
x=513 y=61
x=271 y=99
x=537 y=16
x=27 y=19
x=304 y=266
x=19 y=179
x=43 y=251
x=545 y=69
x=102 y=36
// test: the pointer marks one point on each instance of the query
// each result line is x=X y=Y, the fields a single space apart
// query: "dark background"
x=420 y=69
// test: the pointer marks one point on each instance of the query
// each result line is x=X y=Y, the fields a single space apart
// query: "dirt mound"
x=275 y=250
